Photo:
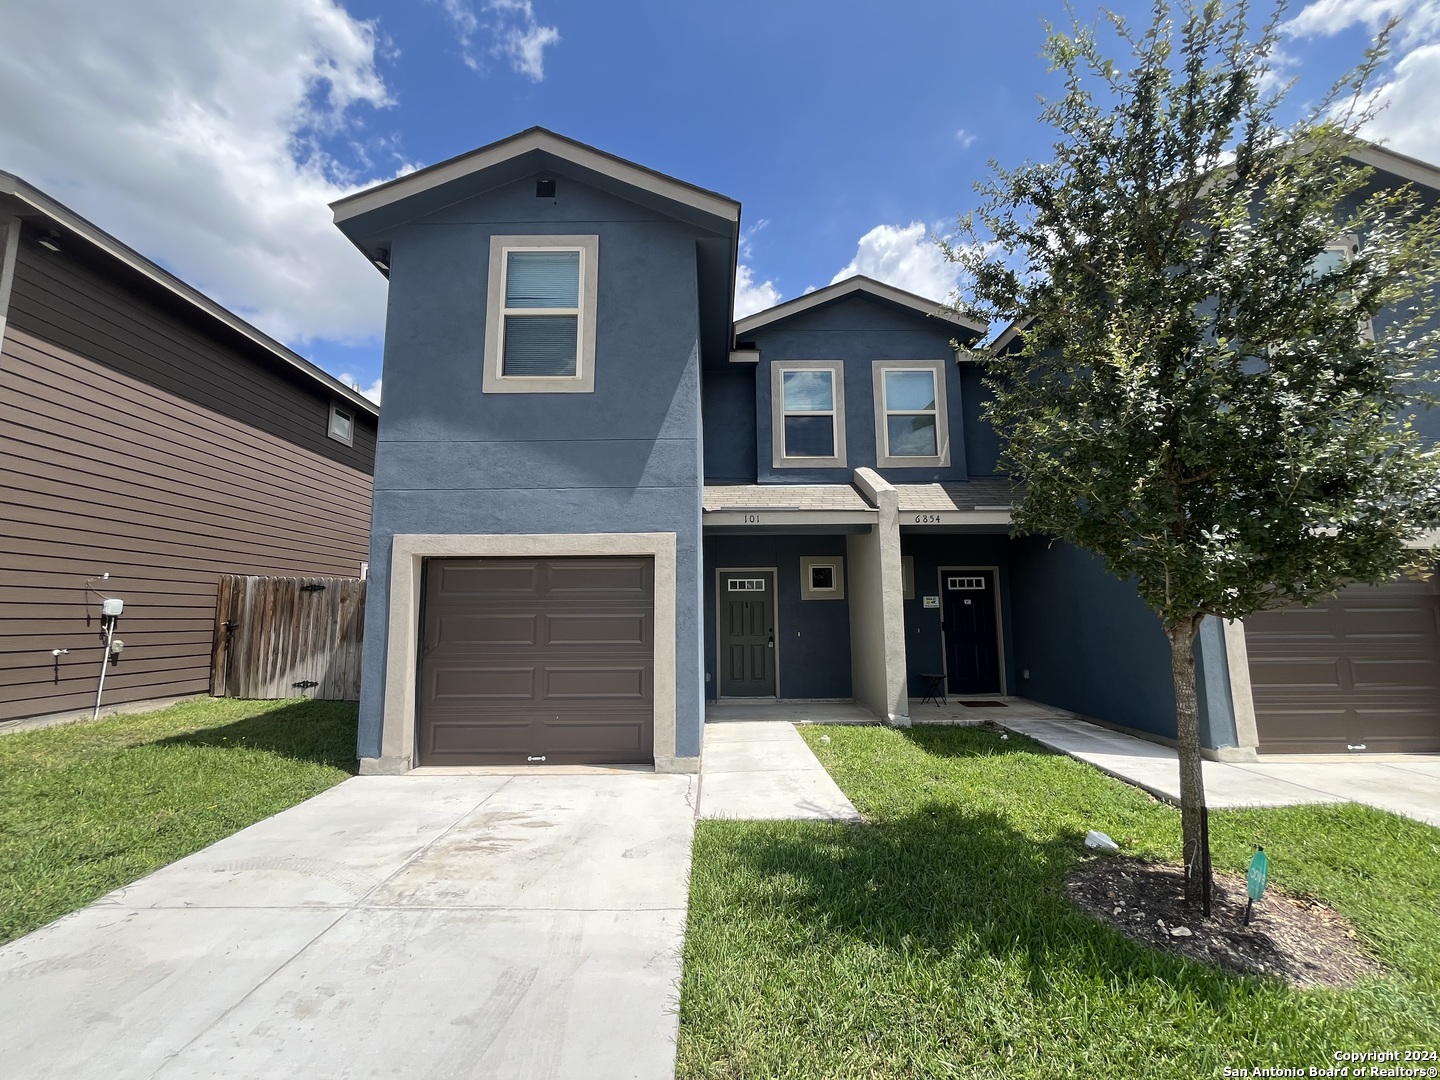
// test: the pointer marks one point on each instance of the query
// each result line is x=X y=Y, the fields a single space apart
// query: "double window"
x=540 y=317
x=808 y=414
x=910 y=414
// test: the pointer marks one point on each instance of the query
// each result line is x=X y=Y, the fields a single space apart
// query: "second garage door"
x=1358 y=673
x=540 y=661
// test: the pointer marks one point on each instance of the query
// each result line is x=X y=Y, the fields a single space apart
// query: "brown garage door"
x=537 y=660
x=1361 y=670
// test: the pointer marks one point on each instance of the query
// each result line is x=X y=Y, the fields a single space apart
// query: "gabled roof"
x=362 y=216
x=1010 y=334
x=68 y=221
x=1372 y=154
x=1398 y=164
x=859 y=284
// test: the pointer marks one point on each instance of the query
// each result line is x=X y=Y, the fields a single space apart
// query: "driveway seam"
x=172 y=1057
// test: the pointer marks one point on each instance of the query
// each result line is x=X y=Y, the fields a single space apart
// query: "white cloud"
x=1411 y=83
x=462 y=17
x=513 y=34
x=1420 y=19
x=191 y=132
x=372 y=391
x=966 y=139
x=751 y=295
x=907 y=257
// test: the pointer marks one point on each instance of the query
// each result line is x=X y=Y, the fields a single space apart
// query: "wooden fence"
x=288 y=637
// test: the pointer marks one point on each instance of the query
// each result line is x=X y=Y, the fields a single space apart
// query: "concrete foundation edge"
x=384 y=766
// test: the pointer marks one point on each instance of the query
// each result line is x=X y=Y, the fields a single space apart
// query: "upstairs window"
x=808 y=414
x=342 y=425
x=1335 y=257
x=541 y=315
x=910 y=414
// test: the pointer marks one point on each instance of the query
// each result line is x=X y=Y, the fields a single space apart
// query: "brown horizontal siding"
x=138 y=552
x=115 y=457
x=120 y=687
x=59 y=387
x=62 y=300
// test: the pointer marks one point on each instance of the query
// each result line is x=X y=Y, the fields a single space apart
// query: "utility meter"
x=117 y=647
x=112 y=608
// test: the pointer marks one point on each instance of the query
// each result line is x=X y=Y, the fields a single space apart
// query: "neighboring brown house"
x=149 y=433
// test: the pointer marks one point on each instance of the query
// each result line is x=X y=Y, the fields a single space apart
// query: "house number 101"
x=752 y=519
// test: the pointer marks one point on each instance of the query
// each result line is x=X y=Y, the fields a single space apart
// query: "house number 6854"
x=927 y=519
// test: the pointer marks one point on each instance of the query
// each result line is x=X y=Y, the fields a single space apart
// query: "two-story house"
x=600 y=501
x=150 y=441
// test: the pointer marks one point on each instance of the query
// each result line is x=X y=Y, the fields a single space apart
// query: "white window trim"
x=777 y=413
x=883 y=458
x=583 y=381
x=349 y=414
x=837 y=565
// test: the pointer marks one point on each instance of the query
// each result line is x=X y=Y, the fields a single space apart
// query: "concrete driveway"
x=1407 y=785
x=415 y=926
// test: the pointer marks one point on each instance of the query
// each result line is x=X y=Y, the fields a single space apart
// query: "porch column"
x=877 y=610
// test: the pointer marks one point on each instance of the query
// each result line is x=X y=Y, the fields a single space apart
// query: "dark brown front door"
x=541 y=661
x=1357 y=673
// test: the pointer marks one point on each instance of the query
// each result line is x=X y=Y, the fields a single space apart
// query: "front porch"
x=1001 y=710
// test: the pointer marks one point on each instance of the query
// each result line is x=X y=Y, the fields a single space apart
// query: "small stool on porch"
x=934 y=688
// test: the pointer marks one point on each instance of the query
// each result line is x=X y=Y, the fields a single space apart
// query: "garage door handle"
x=1355 y=746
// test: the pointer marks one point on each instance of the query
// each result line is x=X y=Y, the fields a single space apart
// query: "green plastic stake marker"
x=1255 y=880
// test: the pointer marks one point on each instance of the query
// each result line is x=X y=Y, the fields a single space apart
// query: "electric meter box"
x=111 y=608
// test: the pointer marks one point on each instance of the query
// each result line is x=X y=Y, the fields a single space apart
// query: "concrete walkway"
x=762 y=770
x=1403 y=785
x=415 y=926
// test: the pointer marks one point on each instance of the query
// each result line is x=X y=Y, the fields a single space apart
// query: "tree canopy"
x=1230 y=323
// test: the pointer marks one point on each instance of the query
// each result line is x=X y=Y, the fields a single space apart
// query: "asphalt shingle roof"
x=987 y=491
x=784 y=496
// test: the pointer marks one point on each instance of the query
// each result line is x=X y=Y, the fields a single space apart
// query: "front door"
x=747 y=633
x=972 y=651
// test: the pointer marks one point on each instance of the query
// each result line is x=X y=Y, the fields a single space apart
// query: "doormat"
x=984 y=704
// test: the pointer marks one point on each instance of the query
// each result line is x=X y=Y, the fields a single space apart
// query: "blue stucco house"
x=600 y=501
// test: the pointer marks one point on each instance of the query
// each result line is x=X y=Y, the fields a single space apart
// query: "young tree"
x=1204 y=398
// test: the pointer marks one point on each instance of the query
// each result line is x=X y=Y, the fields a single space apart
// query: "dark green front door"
x=747 y=633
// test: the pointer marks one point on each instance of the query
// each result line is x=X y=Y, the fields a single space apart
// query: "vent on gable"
x=545 y=189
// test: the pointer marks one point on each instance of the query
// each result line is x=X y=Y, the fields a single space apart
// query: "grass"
x=87 y=808
x=936 y=940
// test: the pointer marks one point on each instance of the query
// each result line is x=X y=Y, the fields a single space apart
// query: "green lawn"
x=92 y=806
x=936 y=940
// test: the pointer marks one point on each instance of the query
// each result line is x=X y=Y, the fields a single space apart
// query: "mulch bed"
x=1296 y=939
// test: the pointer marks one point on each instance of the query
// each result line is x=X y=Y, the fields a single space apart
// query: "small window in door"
x=746 y=585
x=965 y=583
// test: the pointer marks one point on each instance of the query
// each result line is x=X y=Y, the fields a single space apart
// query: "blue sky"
x=211 y=137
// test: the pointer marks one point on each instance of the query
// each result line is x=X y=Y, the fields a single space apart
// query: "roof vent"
x=545 y=189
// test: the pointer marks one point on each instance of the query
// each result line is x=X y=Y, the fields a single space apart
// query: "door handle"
x=771 y=643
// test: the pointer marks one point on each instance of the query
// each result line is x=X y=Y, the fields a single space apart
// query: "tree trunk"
x=1196 y=842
